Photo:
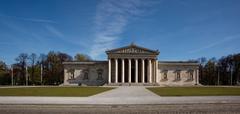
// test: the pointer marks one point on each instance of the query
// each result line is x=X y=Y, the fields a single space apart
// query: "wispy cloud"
x=33 y=35
x=17 y=29
x=112 y=16
x=54 y=31
x=38 y=20
x=226 y=39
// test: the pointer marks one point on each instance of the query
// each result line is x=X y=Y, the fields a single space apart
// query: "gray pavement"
x=121 y=95
x=122 y=109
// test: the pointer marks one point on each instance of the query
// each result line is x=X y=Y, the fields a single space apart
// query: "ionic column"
x=197 y=76
x=136 y=70
x=150 y=70
x=129 y=70
x=153 y=71
x=116 y=70
x=143 y=71
x=109 y=70
x=157 y=78
x=195 y=72
x=123 y=73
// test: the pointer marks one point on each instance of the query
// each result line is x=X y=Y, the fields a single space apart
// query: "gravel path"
x=122 y=109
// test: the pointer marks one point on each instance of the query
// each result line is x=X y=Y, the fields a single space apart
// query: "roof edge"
x=132 y=45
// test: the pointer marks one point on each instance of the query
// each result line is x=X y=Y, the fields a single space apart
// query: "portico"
x=132 y=64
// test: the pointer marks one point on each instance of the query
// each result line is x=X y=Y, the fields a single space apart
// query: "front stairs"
x=131 y=84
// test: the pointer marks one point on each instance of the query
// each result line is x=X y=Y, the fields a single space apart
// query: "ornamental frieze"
x=132 y=50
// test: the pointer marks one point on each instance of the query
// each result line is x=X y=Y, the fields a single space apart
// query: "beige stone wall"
x=79 y=72
x=171 y=74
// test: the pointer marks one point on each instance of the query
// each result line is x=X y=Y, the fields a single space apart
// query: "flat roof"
x=178 y=62
x=84 y=62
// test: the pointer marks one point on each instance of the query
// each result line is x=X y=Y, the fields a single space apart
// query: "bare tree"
x=33 y=59
x=22 y=62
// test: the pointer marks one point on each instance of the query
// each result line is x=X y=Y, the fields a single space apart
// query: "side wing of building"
x=92 y=73
x=178 y=73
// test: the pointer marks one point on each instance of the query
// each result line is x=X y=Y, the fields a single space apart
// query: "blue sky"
x=180 y=29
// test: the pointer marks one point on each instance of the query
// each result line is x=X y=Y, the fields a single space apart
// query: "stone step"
x=132 y=84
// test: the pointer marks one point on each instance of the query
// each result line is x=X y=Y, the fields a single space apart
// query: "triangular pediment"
x=132 y=49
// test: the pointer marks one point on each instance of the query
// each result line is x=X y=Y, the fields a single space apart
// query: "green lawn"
x=53 y=91
x=196 y=91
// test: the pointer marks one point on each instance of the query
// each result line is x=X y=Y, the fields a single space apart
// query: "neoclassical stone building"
x=131 y=65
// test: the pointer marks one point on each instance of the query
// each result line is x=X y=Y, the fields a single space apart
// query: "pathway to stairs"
x=126 y=95
x=127 y=91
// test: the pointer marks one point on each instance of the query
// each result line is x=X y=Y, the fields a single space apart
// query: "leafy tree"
x=5 y=78
x=202 y=62
x=210 y=72
x=82 y=57
x=3 y=66
x=55 y=71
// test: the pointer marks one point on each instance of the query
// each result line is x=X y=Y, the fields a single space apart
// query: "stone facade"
x=131 y=65
x=85 y=73
x=178 y=73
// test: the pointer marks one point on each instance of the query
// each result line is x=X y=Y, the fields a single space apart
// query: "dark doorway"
x=139 y=70
x=132 y=70
x=119 y=70
x=146 y=70
x=126 y=70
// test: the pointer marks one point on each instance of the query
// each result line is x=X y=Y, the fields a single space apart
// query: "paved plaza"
x=121 y=95
x=122 y=109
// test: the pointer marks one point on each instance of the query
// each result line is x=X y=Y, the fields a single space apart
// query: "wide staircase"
x=131 y=84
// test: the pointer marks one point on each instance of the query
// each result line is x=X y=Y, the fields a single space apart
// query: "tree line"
x=33 y=69
x=224 y=71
